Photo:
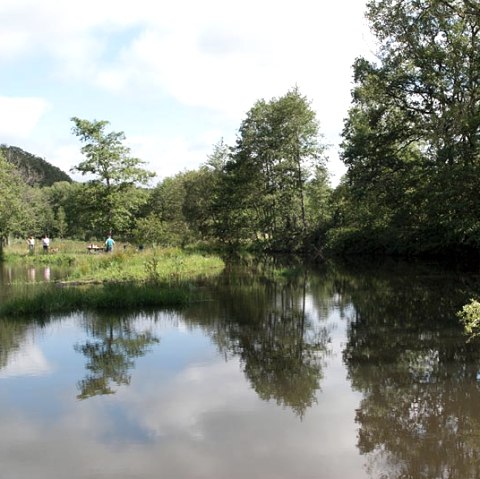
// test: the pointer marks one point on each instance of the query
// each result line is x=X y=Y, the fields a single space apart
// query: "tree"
x=165 y=223
x=411 y=139
x=200 y=197
x=207 y=204
x=115 y=173
x=12 y=210
x=73 y=199
x=277 y=151
x=318 y=208
x=61 y=222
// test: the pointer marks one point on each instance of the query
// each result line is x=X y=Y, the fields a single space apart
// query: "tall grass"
x=124 y=279
x=124 y=264
x=48 y=299
x=165 y=265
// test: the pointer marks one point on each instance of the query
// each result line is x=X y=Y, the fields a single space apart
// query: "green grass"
x=153 y=265
x=48 y=298
x=124 y=264
x=124 y=279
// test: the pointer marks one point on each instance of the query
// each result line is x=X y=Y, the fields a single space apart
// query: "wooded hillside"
x=34 y=170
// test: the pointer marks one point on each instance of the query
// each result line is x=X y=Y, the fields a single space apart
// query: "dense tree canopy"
x=411 y=139
x=277 y=152
x=11 y=206
x=112 y=195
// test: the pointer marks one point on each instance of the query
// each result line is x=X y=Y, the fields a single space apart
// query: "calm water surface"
x=346 y=372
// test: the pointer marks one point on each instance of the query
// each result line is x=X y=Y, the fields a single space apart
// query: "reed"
x=48 y=299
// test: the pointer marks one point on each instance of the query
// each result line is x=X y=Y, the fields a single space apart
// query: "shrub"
x=470 y=317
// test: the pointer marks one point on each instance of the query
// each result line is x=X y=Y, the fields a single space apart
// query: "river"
x=342 y=371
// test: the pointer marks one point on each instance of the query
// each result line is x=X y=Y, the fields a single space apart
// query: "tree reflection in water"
x=263 y=319
x=12 y=336
x=405 y=352
x=110 y=353
x=419 y=417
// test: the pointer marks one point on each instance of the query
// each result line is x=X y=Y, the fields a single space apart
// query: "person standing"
x=45 y=243
x=109 y=244
x=31 y=244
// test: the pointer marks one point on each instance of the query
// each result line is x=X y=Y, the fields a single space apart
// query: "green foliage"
x=170 y=264
x=201 y=198
x=106 y=157
x=150 y=231
x=61 y=222
x=277 y=152
x=165 y=224
x=72 y=199
x=12 y=209
x=351 y=240
x=411 y=141
x=470 y=317
x=112 y=198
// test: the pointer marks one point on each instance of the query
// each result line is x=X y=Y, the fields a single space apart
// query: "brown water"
x=344 y=372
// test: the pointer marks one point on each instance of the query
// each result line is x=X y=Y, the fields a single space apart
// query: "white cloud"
x=205 y=56
x=12 y=43
x=66 y=156
x=228 y=62
x=28 y=361
x=19 y=116
x=169 y=156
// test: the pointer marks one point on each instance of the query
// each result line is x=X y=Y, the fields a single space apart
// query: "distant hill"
x=34 y=170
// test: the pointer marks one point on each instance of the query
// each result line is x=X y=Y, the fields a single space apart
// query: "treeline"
x=266 y=191
x=410 y=144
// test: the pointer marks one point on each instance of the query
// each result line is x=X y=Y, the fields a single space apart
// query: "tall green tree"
x=411 y=139
x=278 y=148
x=208 y=205
x=114 y=175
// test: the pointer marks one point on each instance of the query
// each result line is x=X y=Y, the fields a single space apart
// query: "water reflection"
x=11 y=275
x=12 y=338
x=281 y=343
x=31 y=274
x=112 y=346
x=419 y=415
x=372 y=360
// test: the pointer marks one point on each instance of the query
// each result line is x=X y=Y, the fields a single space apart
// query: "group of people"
x=45 y=243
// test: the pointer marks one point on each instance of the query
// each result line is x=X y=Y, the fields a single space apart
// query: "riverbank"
x=49 y=299
x=124 y=264
x=121 y=280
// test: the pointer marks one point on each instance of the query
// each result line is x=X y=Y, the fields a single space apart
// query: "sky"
x=176 y=77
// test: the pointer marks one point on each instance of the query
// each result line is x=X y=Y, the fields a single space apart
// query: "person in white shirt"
x=45 y=243
x=31 y=244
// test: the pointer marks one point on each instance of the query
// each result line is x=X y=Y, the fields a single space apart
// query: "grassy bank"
x=124 y=264
x=48 y=298
x=124 y=279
